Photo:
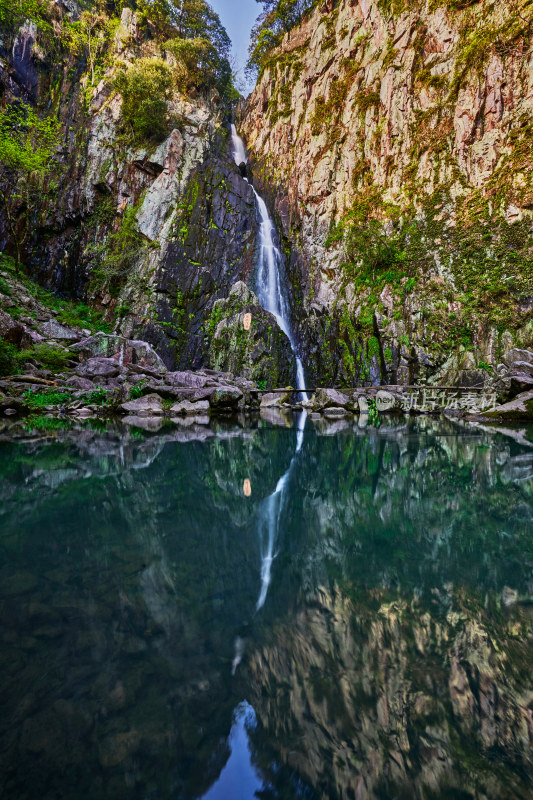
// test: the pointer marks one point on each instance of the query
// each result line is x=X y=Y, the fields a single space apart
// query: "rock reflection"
x=392 y=654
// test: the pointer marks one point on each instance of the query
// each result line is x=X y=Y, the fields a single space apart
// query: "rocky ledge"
x=110 y=373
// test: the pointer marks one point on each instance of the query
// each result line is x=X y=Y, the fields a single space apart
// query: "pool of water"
x=285 y=609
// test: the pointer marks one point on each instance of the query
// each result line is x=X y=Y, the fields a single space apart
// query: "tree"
x=277 y=18
x=13 y=13
x=145 y=88
x=28 y=143
x=88 y=34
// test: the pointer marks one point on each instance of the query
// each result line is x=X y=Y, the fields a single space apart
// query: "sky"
x=238 y=18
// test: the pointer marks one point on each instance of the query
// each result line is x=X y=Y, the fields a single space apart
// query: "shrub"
x=197 y=63
x=116 y=256
x=99 y=397
x=145 y=88
x=47 y=356
x=8 y=358
x=136 y=391
x=45 y=397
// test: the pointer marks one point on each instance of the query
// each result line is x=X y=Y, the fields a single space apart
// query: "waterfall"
x=269 y=286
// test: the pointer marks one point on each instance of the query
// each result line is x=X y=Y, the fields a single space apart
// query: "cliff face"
x=152 y=230
x=396 y=148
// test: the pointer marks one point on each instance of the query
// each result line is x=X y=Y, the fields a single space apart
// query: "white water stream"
x=271 y=296
x=269 y=286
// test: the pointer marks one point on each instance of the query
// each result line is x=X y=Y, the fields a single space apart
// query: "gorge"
x=266 y=401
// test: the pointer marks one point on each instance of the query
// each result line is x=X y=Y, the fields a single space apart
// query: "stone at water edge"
x=225 y=398
x=149 y=406
x=335 y=412
x=330 y=398
x=186 y=408
x=275 y=399
x=520 y=408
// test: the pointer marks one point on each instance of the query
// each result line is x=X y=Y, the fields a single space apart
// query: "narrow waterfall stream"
x=271 y=296
x=270 y=291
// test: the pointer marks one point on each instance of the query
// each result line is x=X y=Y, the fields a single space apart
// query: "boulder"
x=186 y=407
x=261 y=353
x=225 y=399
x=521 y=407
x=99 y=368
x=525 y=367
x=10 y=330
x=83 y=384
x=335 y=412
x=186 y=379
x=520 y=382
x=330 y=398
x=149 y=406
x=54 y=330
x=275 y=399
x=517 y=355
x=388 y=401
x=125 y=351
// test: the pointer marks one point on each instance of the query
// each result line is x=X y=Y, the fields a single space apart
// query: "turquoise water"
x=294 y=610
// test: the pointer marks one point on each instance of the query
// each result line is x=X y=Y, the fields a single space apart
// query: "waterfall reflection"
x=270 y=518
x=391 y=656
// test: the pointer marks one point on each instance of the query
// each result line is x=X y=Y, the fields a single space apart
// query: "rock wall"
x=152 y=232
x=395 y=144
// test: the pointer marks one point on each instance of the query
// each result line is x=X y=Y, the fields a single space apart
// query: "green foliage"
x=27 y=145
x=36 y=422
x=197 y=40
x=27 y=141
x=47 y=356
x=373 y=413
x=99 y=397
x=145 y=88
x=8 y=358
x=372 y=249
x=278 y=17
x=136 y=391
x=366 y=99
x=216 y=316
x=484 y=366
x=198 y=64
x=13 y=13
x=45 y=397
x=114 y=259
x=87 y=35
x=483 y=38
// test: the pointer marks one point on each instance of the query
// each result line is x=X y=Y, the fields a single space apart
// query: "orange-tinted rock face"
x=391 y=112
